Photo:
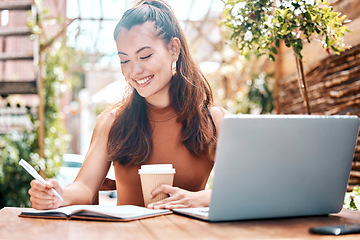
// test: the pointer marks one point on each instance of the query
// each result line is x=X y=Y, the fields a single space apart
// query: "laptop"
x=279 y=166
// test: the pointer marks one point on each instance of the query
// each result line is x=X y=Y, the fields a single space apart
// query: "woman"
x=168 y=117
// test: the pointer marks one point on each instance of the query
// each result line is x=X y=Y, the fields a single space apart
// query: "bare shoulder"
x=218 y=113
x=105 y=120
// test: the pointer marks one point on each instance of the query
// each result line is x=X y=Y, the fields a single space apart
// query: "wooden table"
x=168 y=227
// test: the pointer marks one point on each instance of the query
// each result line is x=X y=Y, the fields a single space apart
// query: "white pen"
x=33 y=173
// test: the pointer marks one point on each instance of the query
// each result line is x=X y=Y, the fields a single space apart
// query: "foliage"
x=258 y=26
x=352 y=199
x=14 y=181
x=247 y=88
x=260 y=93
x=56 y=136
x=258 y=100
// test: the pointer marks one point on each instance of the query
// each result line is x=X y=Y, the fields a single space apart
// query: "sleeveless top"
x=192 y=171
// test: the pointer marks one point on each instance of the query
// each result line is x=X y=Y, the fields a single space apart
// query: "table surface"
x=169 y=227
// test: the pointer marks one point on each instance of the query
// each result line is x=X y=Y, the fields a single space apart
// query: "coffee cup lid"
x=156 y=168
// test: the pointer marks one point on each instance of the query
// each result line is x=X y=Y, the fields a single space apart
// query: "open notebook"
x=271 y=166
x=96 y=212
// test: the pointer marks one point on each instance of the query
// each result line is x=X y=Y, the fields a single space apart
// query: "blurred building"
x=18 y=54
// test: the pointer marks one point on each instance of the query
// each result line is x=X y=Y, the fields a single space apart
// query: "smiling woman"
x=146 y=62
x=167 y=118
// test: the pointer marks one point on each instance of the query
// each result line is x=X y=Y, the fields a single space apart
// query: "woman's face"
x=146 y=62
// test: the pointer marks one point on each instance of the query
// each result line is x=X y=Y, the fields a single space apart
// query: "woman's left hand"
x=180 y=198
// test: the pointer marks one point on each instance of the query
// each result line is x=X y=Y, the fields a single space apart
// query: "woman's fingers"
x=40 y=190
x=42 y=205
x=177 y=198
x=42 y=196
x=171 y=205
x=52 y=183
x=180 y=198
x=41 y=201
x=167 y=189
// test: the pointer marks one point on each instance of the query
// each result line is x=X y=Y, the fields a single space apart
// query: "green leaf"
x=274 y=50
x=271 y=57
x=285 y=13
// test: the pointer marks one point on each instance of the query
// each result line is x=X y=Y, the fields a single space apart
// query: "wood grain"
x=167 y=227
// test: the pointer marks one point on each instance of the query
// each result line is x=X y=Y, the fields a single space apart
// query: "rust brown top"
x=192 y=171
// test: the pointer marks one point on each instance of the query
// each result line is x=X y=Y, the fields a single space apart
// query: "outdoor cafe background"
x=57 y=77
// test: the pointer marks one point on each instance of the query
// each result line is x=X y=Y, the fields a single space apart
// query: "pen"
x=33 y=173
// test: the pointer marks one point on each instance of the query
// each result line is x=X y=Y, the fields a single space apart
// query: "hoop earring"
x=173 y=68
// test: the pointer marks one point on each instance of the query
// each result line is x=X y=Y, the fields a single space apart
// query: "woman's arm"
x=89 y=179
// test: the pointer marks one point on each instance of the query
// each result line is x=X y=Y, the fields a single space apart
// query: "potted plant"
x=258 y=26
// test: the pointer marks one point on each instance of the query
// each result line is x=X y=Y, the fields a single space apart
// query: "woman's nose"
x=137 y=68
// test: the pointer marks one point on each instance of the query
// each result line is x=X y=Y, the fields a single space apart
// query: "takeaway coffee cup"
x=152 y=176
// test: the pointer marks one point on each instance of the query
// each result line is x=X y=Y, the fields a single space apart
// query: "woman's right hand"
x=42 y=196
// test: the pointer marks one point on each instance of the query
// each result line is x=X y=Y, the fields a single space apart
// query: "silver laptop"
x=275 y=166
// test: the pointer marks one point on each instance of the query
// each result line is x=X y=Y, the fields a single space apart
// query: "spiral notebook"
x=274 y=166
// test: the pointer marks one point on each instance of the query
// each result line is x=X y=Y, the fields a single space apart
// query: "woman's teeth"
x=142 y=81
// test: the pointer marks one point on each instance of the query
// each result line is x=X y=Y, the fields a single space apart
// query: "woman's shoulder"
x=217 y=114
x=107 y=115
x=106 y=119
x=218 y=111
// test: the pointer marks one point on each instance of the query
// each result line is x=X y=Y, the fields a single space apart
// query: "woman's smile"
x=144 y=81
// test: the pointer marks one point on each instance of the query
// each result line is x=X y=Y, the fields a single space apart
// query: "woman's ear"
x=174 y=47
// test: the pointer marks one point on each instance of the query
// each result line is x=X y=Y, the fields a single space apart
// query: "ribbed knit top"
x=192 y=171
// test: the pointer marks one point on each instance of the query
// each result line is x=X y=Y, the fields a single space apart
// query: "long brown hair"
x=130 y=139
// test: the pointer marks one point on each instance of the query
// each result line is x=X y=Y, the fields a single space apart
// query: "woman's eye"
x=146 y=56
x=123 y=62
